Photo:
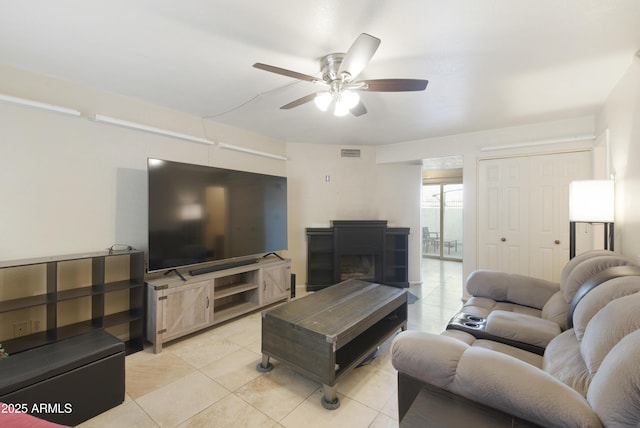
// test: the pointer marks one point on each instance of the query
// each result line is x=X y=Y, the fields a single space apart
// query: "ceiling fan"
x=339 y=73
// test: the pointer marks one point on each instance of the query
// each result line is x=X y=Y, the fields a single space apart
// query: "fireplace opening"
x=361 y=267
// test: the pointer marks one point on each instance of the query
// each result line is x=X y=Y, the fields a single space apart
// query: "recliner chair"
x=528 y=312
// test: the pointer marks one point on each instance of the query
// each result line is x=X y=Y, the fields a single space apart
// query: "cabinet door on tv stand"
x=185 y=309
x=276 y=283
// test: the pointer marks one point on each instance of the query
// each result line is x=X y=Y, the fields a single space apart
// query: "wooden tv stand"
x=177 y=307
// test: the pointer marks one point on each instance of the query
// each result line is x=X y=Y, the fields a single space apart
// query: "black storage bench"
x=66 y=382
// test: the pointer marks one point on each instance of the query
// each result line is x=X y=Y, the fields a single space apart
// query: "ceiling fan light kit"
x=342 y=101
x=339 y=73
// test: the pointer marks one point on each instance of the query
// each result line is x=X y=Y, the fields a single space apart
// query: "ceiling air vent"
x=350 y=153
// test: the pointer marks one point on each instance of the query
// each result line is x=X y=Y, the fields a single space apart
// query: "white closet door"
x=503 y=215
x=523 y=212
x=550 y=178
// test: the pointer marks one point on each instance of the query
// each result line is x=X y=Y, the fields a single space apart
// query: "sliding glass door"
x=442 y=220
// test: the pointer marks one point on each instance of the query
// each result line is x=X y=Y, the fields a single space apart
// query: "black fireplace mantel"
x=334 y=252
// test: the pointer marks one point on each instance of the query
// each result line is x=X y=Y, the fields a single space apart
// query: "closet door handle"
x=503 y=239
x=557 y=242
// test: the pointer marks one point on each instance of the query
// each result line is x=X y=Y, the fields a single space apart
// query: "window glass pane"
x=452 y=221
x=431 y=220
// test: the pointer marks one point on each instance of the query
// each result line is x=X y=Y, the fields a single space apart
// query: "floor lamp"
x=591 y=201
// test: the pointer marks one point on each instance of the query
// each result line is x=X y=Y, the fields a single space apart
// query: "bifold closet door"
x=550 y=178
x=523 y=212
x=503 y=214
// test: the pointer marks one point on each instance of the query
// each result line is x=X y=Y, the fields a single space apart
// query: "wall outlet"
x=35 y=325
x=21 y=329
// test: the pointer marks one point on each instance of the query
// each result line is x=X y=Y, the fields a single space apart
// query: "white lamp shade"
x=591 y=201
x=350 y=98
x=322 y=100
x=341 y=109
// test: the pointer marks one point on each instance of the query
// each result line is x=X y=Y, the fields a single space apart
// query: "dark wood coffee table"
x=325 y=335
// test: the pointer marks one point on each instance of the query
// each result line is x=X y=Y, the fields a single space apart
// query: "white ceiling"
x=490 y=63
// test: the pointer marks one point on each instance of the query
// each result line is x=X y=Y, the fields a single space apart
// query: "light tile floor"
x=210 y=379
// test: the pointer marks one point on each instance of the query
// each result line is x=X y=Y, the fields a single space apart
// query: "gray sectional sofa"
x=587 y=374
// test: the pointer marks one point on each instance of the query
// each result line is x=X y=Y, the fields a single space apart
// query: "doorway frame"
x=441 y=178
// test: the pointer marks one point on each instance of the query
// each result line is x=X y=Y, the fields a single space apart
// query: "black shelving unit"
x=396 y=257
x=320 y=258
x=48 y=299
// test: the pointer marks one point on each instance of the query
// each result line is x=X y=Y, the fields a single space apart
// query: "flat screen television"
x=200 y=214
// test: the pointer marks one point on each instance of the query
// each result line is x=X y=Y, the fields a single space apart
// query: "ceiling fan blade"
x=299 y=101
x=359 y=55
x=394 y=85
x=359 y=110
x=285 y=72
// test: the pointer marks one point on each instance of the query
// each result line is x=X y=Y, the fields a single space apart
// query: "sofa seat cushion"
x=521 y=327
x=526 y=356
x=483 y=306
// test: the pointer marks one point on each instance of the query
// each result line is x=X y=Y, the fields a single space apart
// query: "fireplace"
x=360 y=249
x=358 y=267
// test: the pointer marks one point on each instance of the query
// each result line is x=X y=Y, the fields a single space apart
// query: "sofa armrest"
x=521 y=328
x=491 y=379
x=510 y=385
x=511 y=287
x=428 y=357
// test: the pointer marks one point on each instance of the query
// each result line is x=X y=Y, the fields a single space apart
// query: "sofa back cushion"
x=578 y=270
x=563 y=360
x=556 y=310
x=605 y=315
x=599 y=297
x=572 y=263
x=586 y=270
x=607 y=327
x=614 y=394
x=511 y=287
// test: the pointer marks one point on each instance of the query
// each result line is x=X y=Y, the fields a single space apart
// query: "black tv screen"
x=201 y=214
